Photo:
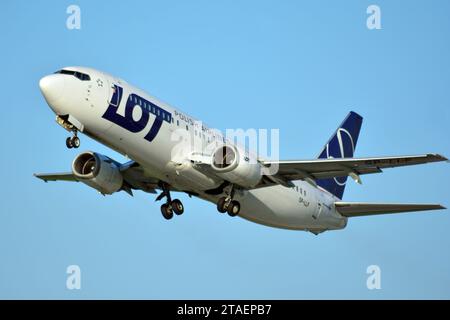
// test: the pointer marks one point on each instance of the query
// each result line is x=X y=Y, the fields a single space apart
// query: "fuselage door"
x=318 y=211
x=115 y=94
x=320 y=206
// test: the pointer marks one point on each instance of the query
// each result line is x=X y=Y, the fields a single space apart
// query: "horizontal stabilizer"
x=357 y=209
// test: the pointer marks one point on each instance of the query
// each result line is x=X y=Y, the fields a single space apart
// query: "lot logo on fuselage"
x=128 y=122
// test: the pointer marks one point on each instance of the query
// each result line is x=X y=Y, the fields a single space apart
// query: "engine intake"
x=233 y=165
x=98 y=171
x=225 y=159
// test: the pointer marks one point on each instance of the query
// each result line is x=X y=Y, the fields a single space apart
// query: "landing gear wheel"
x=233 y=208
x=167 y=211
x=69 y=144
x=75 y=142
x=221 y=205
x=177 y=207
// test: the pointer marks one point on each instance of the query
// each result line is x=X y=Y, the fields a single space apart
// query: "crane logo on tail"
x=342 y=144
x=345 y=148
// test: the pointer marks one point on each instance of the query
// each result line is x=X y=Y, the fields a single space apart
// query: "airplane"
x=299 y=195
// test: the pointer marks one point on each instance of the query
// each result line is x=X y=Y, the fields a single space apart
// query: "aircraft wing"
x=331 y=168
x=358 y=209
x=133 y=174
x=64 y=176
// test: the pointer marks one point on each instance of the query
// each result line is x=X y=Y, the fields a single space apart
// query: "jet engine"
x=98 y=171
x=235 y=166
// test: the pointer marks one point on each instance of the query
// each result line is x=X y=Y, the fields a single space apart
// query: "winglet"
x=436 y=157
x=40 y=177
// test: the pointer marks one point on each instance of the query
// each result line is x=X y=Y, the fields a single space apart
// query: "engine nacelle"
x=98 y=171
x=233 y=165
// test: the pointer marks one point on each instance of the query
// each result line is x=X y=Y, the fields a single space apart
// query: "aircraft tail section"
x=342 y=144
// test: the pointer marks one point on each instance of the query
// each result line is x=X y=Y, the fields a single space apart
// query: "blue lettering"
x=127 y=121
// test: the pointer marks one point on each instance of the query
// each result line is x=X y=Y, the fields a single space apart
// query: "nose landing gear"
x=63 y=121
x=73 y=142
x=171 y=206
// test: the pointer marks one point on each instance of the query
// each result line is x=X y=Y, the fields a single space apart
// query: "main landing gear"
x=171 y=206
x=227 y=204
x=73 y=142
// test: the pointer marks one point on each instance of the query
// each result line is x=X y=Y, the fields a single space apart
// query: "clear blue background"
x=297 y=66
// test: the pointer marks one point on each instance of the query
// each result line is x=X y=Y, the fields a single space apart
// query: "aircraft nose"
x=52 y=87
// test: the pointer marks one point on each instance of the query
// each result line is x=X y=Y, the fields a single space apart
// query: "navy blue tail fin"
x=341 y=145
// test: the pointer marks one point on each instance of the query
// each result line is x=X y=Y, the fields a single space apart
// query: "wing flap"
x=357 y=209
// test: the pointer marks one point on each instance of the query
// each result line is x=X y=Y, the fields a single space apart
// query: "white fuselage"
x=303 y=207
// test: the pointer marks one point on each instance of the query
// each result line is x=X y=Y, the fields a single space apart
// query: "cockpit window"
x=82 y=76
x=79 y=75
x=66 y=72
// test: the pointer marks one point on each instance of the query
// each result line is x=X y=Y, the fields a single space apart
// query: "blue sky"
x=299 y=66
